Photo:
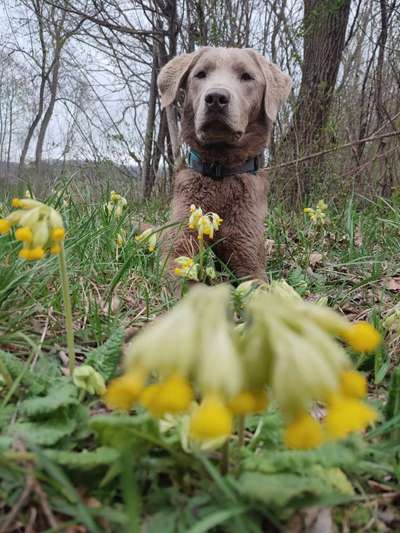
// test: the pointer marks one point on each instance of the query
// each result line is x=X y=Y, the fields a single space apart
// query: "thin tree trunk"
x=387 y=176
x=147 y=179
x=49 y=111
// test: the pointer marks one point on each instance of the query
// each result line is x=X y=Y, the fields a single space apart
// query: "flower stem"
x=241 y=429
x=67 y=310
x=201 y=259
x=225 y=458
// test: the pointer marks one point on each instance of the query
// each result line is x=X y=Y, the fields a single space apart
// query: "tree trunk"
x=49 y=111
x=147 y=178
x=325 y=23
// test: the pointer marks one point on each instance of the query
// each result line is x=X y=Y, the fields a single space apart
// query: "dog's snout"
x=217 y=100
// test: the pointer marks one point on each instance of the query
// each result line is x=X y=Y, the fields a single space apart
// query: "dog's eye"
x=246 y=76
x=200 y=75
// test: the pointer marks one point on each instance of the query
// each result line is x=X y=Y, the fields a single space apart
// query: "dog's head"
x=227 y=90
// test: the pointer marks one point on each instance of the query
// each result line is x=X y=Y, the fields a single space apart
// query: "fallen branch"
x=335 y=149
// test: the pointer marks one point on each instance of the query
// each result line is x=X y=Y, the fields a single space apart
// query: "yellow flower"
x=58 y=234
x=24 y=234
x=204 y=224
x=25 y=203
x=5 y=226
x=196 y=214
x=116 y=204
x=149 y=394
x=362 y=337
x=353 y=384
x=32 y=254
x=211 y=420
x=186 y=268
x=36 y=253
x=16 y=203
x=216 y=220
x=40 y=228
x=55 y=249
x=119 y=241
x=124 y=391
x=205 y=227
x=248 y=401
x=318 y=215
x=303 y=433
x=171 y=396
x=25 y=253
x=148 y=236
x=322 y=206
x=346 y=415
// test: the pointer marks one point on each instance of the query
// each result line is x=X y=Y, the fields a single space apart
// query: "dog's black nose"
x=217 y=100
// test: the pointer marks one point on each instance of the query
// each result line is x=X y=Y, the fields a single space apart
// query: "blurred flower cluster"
x=115 y=205
x=201 y=267
x=317 y=215
x=39 y=227
x=197 y=359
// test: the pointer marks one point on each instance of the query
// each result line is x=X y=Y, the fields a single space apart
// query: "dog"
x=231 y=101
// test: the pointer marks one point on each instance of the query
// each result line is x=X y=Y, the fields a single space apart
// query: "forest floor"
x=64 y=461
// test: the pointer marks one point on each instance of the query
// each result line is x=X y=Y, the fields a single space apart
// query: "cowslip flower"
x=123 y=392
x=362 y=337
x=115 y=205
x=173 y=396
x=211 y=420
x=317 y=215
x=88 y=379
x=285 y=344
x=119 y=239
x=40 y=228
x=303 y=433
x=149 y=237
x=248 y=401
x=204 y=224
x=346 y=415
x=294 y=351
x=186 y=268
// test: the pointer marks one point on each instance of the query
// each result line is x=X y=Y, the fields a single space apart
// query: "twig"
x=335 y=149
x=13 y=514
x=39 y=346
x=45 y=505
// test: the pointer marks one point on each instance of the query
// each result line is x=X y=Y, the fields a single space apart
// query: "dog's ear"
x=172 y=75
x=277 y=86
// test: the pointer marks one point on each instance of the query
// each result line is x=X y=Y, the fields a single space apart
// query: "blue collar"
x=217 y=171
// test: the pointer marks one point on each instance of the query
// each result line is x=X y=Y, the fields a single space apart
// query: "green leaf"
x=46 y=433
x=105 y=358
x=85 y=459
x=392 y=407
x=278 y=489
x=120 y=430
x=216 y=518
x=6 y=413
x=328 y=456
x=62 y=394
x=35 y=382
x=5 y=443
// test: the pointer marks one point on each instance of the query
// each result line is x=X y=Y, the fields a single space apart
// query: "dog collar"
x=217 y=171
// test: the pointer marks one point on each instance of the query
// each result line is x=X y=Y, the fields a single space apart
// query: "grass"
x=132 y=477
